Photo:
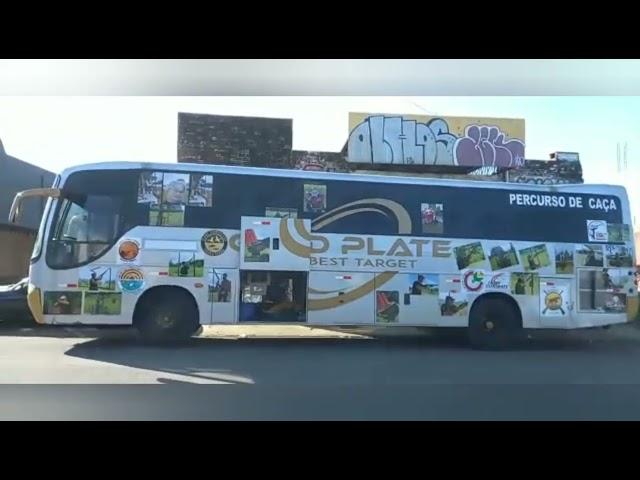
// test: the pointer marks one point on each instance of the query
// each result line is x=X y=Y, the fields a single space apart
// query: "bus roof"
x=311 y=175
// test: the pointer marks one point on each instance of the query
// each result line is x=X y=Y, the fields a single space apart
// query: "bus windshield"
x=91 y=215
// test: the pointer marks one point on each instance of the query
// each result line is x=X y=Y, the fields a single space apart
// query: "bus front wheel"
x=166 y=314
x=494 y=323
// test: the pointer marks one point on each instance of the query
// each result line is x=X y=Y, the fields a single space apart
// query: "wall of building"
x=16 y=176
x=320 y=161
x=17 y=245
x=481 y=149
x=435 y=141
x=229 y=140
x=547 y=172
x=451 y=176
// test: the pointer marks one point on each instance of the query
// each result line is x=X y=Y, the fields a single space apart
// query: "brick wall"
x=227 y=140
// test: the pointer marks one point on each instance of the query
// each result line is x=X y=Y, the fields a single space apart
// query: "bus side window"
x=77 y=226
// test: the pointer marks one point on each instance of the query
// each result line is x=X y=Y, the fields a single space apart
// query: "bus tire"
x=494 y=323
x=166 y=314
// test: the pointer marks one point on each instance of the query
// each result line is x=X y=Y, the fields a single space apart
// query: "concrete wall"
x=435 y=141
x=17 y=245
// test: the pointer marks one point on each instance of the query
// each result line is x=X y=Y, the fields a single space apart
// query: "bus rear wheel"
x=166 y=314
x=494 y=324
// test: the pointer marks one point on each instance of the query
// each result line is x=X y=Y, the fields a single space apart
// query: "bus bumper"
x=34 y=300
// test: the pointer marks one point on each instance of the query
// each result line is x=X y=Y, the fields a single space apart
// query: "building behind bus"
x=17 y=240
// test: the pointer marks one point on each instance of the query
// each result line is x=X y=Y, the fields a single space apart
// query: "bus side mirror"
x=14 y=213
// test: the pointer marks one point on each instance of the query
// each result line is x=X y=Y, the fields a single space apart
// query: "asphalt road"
x=235 y=373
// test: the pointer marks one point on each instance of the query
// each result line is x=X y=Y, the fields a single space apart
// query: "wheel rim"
x=165 y=320
x=488 y=325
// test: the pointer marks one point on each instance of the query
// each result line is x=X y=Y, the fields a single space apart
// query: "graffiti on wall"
x=319 y=161
x=454 y=141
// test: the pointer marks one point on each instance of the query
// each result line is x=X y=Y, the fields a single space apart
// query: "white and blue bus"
x=170 y=247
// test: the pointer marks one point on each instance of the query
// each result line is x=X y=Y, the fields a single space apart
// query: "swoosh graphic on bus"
x=324 y=292
x=298 y=249
x=347 y=213
x=234 y=242
x=289 y=242
x=299 y=226
x=403 y=218
x=401 y=214
x=352 y=295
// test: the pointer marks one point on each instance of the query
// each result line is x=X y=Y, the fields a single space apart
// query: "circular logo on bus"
x=128 y=250
x=131 y=280
x=473 y=280
x=553 y=302
x=214 y=242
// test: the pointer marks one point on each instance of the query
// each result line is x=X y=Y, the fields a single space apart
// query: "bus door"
x=274 y=269
x=556 y=302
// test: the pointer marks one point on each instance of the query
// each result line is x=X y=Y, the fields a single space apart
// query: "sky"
x=57 y=132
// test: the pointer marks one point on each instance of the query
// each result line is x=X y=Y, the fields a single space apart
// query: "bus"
x=168 y=248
